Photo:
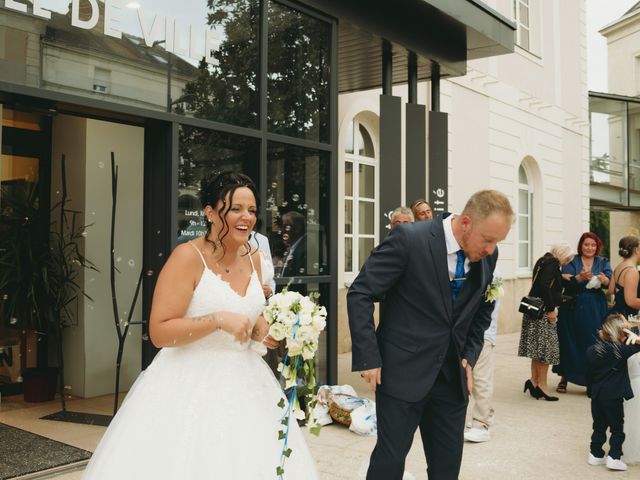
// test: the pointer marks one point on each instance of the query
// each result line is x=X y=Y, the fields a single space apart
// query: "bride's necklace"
x=234 y=266
x=227 y=269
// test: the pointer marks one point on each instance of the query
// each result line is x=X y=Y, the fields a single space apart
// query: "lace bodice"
x=213 y=294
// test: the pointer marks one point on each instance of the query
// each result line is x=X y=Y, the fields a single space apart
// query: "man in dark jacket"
x=433 y=277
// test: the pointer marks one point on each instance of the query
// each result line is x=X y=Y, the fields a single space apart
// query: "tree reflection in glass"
x=228 y=92
x=298 y=74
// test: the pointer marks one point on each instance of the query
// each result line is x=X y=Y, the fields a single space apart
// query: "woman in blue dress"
x=580 y=320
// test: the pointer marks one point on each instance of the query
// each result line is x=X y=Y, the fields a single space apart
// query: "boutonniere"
x=494 y=290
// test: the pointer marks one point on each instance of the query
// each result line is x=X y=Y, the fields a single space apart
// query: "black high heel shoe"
x=528 y=385
x=541 y=394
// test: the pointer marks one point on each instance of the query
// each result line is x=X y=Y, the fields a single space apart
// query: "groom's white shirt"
x=452 y=247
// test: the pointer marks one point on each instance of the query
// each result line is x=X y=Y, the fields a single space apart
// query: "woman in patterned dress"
x=539 y=337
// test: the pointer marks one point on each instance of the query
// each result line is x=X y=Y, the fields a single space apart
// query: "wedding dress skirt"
x=631 y=445
x=206 y=410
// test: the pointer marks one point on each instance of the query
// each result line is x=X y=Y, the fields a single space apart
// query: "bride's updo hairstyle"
x=627 y=245
x=214 y=188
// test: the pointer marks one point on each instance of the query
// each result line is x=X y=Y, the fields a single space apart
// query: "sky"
x=599 y=14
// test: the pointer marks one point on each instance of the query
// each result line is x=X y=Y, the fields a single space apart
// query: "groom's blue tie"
x=458 y=278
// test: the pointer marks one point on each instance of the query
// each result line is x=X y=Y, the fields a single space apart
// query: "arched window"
x=525 y=220
x=360 y=206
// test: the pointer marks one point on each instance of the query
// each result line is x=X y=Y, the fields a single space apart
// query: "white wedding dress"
x=631 y=445
x=206 y=410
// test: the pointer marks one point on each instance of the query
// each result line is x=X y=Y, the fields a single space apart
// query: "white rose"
x=294 y=346
x=305 y=318
x=319 y=323
x=289 y=318
x=268 y=315
x=307 y=306
x=277 y=331
x=306 y=333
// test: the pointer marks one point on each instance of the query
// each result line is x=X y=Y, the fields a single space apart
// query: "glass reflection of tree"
x=299 y=72
x=227 y=92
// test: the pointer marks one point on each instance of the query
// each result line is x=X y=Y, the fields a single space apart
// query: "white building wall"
x=623 y=55
x=525 y=105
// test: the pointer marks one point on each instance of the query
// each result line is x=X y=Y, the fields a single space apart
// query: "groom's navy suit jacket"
x=420 y=322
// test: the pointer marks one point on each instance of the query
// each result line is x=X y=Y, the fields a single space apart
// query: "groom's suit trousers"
x=440 y=416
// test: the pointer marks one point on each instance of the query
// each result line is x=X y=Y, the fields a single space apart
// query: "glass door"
x=24 y=205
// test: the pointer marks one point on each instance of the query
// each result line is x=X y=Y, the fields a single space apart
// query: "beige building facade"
x=518 y=123
x=623 y=123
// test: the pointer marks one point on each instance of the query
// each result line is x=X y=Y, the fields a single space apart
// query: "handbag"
x=532 y=307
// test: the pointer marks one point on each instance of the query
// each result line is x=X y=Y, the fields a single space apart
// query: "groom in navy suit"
x=433 y=276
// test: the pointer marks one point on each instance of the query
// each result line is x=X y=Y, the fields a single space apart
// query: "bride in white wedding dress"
x=631 y=446
x=206 y=408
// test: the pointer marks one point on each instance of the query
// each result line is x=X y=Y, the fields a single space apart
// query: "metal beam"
x=387 y=67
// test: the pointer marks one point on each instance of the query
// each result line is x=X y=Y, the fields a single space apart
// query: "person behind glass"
x=401 y=215
x=421 y=210
x=578 y=324
x=294 y=232
x=608 y=385
x=261 y=243
x=539 y=337
x=625 y=286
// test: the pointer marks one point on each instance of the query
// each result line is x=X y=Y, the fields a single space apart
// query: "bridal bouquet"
x=298 y=320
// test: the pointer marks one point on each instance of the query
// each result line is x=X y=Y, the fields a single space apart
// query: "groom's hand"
x=372 y=377
x=467 y=370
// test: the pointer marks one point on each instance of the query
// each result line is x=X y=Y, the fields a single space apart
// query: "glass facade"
x=299 y=73
x=200 y=151
x=615 y=151
x=297 y=220
x=243 y=85
x=191 y=59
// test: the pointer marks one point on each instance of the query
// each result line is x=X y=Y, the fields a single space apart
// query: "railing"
x=608 y=170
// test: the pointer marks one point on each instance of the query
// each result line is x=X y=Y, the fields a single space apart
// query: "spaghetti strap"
x=200 y=253
x=253 y=268
x=620 y=273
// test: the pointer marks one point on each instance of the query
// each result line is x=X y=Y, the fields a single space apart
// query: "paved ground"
x=530 y=439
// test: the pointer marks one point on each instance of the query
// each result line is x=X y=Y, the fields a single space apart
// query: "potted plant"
x=40 y=259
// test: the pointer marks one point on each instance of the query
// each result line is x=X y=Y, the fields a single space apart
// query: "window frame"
x=528 y=188
x=521 y=26
x=351 y=271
